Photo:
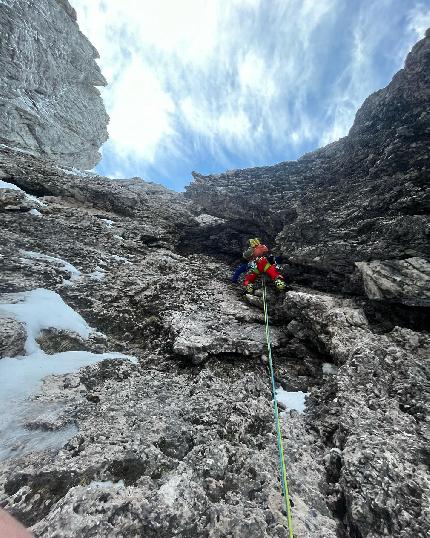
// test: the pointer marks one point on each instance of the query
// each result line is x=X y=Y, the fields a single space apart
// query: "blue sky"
x=211 y=85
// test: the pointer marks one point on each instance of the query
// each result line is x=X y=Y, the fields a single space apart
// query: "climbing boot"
x=280 y=284
x=249 y=288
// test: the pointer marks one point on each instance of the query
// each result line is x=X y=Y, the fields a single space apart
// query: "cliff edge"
x=49 y=103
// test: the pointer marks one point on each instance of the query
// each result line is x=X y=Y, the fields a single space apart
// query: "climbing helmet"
x=254 y=242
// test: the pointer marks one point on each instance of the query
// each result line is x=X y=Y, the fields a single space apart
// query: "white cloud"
x=243 y=77
x=419 y=19
x=255 y=76
x=139 y=111
x=201 y=65
x=360 y=78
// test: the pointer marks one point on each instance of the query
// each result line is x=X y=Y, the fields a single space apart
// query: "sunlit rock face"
x=49 y=103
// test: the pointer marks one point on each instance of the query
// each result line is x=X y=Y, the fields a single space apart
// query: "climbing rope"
x=282 y=467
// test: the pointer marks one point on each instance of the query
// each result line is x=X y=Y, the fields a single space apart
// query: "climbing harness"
x=282 y=467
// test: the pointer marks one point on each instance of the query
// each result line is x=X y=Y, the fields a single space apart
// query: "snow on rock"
x=97 y=274
x=37 y=310
x=292 y=400
x=64 y=265
x=35 y=213
x=24 y=374
x=13 y=198
x=43 y=309
x=6 y=185
x=7 y=146
x=329 y=369
x=29 y=197
x=23 y=377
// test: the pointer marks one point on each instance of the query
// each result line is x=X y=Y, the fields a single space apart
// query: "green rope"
x=282 y=467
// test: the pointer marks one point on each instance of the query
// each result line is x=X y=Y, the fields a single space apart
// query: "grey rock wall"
x=187 y=433
x=49 y=103
x=362 y=198
x=406 y=281
x=182 y=441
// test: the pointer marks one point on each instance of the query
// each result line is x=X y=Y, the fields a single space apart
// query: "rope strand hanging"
x=282 y=467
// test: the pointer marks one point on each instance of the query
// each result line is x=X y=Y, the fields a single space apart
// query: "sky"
x=214 y=85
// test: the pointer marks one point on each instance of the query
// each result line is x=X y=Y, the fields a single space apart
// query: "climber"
x=260 y=261
x=239 y=271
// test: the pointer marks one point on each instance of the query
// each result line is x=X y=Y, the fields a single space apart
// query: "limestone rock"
x=49 y=104
x=194 y=445
x=361 y=198
x=56 y=341
x=12 y=337
x=14 y=200
x=182 y=442
x=405 y=281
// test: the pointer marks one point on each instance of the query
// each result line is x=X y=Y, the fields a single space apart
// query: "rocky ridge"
x=49 y=103
x=364 y=198
x=180 y=441
x=193 y=443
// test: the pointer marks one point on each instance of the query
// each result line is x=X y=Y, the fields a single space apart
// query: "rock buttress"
x=49 y=103
x=362 y=198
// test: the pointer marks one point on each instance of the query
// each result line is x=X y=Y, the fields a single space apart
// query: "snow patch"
x=35 y=213
x=14 y=148
x=18 y=440
x=11 y=186
x=6 y=185
x=329 y=369
x=22 y=376
x=35 y=199
x=109 y=223
x=64 y=265
x=97 y=274
x=292 y=400
x=43 y=309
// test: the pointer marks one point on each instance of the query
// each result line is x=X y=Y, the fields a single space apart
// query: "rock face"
x=12 y=337
x=373 y=416
x=175 y=437
x=406 y=281
x=362 y=198
x=49 y=104
x=193 y=441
